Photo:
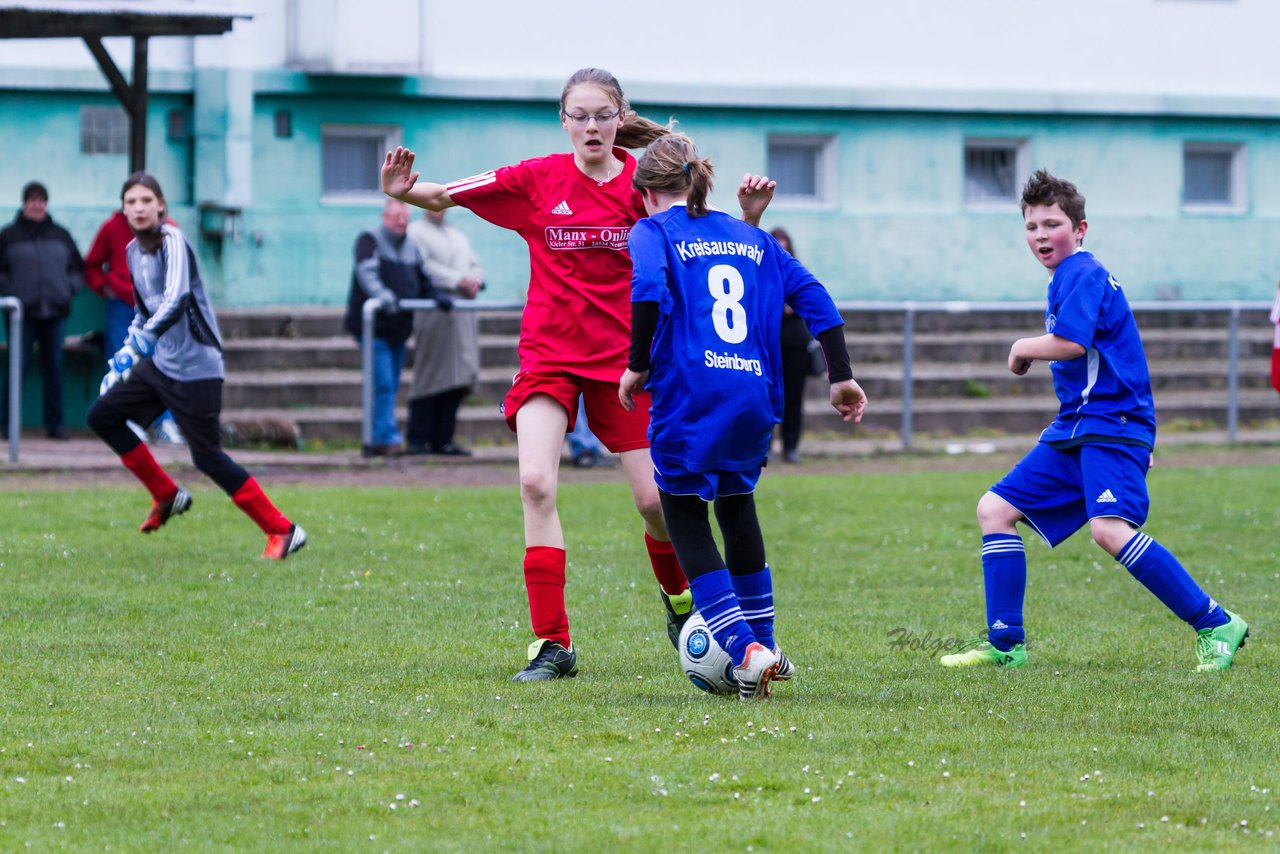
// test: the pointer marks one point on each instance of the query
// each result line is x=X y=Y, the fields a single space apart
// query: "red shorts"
x=616 y=428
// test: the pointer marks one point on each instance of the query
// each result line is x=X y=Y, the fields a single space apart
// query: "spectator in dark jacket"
x=40 y=265
x=388 y=268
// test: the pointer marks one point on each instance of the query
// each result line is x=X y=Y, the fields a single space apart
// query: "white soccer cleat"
x=753 y=674
x=786 y=670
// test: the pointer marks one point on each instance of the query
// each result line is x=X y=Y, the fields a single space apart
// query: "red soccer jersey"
x=577 y=316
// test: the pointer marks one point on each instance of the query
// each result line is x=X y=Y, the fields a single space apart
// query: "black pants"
x=47 y=334
x=686 y=517
x=434 y=418
x=196 y=406
x=795 y=370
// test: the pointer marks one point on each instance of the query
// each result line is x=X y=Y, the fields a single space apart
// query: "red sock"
x=146 y=469
x=544 y=579
x=257 y=506
x=666 y=568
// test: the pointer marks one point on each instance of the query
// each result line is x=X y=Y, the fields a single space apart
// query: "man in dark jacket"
x=388 y=268
x=40 y=265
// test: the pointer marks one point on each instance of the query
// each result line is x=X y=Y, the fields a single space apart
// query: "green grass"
x=174 y=691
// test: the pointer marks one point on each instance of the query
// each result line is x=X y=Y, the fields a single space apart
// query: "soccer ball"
x=707 y=665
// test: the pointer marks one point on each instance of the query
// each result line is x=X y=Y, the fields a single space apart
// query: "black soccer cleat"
x=548 y=660
x=679 y=607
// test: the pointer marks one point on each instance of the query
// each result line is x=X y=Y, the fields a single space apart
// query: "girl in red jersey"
x=575 y=212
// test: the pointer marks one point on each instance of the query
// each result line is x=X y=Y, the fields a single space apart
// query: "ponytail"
x=670 y=164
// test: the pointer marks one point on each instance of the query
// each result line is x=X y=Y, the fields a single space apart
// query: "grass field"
x=174 y=691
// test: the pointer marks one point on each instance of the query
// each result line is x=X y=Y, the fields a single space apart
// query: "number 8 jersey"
x=716 y=361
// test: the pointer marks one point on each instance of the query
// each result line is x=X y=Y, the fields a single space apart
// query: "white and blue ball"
x=707 y=665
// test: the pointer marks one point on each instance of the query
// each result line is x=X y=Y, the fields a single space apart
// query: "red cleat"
x=162 y=510
x=280 y=546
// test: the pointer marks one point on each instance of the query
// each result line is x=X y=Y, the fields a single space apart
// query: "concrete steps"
x=296 y=366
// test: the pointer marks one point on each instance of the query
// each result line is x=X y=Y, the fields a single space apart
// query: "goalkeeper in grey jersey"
x=172 y=359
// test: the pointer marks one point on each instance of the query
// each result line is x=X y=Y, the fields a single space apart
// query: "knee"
x=100 y=417
x=650 y=508
x=1111 y=534
x=995 y=515
x=537 y=489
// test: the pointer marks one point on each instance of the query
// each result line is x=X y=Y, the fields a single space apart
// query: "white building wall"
x=1143 y=47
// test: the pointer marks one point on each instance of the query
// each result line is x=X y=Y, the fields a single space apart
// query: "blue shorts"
x=1059 y=491
x=707 y=485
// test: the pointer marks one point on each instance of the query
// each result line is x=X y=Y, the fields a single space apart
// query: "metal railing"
x=367 y=311
x=910 y=310
x=13 y=306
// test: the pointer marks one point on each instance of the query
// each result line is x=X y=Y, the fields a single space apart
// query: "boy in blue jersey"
x=707 y=292
x=1091 y=463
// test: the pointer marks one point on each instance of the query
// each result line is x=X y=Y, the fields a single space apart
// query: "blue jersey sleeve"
x=1076 y=303
x=649 y=267
x=805 y=294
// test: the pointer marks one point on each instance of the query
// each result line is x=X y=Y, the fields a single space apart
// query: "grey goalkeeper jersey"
x=173 y=306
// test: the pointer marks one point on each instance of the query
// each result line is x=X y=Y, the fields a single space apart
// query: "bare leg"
x=540 y=427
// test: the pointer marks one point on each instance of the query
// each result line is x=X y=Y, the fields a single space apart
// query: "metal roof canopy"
x=93 y=21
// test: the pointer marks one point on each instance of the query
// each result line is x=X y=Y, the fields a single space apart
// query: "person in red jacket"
x=107 y=273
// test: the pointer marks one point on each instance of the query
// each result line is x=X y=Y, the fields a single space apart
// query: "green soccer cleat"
x=978 y=651
x=1216 y=647
x=548 y=660
x=679 y=607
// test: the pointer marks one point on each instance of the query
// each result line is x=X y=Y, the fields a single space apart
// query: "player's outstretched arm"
x=631 y=383
x=849 y=400
x=754 y=194
x=400 y=182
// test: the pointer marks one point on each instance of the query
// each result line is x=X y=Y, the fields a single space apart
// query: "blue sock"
x=1004 y=576
x=714 y=598
x=1159 y=571
x=755 y=597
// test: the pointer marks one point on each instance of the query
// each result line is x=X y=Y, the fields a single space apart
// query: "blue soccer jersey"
x=716 y=362
x=1106 y=392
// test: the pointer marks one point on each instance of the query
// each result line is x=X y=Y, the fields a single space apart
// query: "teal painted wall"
x=898 y=228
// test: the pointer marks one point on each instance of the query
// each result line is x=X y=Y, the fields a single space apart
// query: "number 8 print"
x=728 y=315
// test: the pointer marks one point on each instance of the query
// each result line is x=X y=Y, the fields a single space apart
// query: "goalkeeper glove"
x=124 y=360
x=141 y=341
x=108 y=381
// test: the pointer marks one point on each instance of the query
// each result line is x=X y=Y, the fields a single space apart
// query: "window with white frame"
x=992 y=171
x=804 y=168
x=104 y=130
x=1213 y=176
x=351 y=157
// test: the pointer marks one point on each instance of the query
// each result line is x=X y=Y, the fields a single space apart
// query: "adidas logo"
x=1105 y=498
x=1224 y=648
x=562 y=209
x=999 y=624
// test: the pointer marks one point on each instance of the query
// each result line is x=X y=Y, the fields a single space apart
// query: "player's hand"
x=388 y=303
x=141 y=341
x=631 y=383
x=444 y=302
x=1018 y=363
x=398 y=176
x=849 y=400
x=108 y=381
x=754 y=194
x=124 y=360
x=469 y=286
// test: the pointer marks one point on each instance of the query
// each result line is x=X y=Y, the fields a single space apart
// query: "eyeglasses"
x=601 y=118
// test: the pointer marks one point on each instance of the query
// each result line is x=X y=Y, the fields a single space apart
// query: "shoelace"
x=1204 y=646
